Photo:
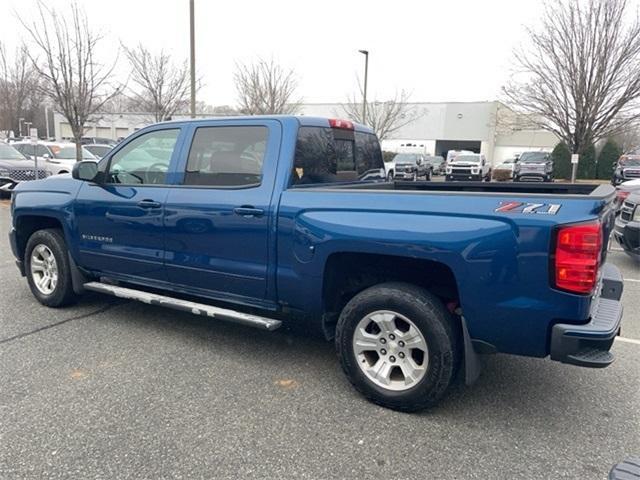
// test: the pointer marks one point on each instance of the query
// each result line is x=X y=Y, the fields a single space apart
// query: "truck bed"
x=573 y=189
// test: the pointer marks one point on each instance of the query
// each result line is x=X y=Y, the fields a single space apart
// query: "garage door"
x=65 y=130
x=103 y=132
x=122 y=132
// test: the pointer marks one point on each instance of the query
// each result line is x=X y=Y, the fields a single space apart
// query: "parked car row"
x=627 y=168
x=18 y=160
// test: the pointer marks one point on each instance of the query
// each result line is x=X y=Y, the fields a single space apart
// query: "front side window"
x=144 y=160
x=331 y=155
x=227 y=156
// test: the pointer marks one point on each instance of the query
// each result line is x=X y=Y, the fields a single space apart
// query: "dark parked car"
x=533 y=167
x=16 y=168
x=411 y=166
x=98 y=140
x=628 y=168
x=437 y=164
x=627 y=226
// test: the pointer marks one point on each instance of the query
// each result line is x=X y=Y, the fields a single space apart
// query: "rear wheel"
x=397 y=346
x=47 y=268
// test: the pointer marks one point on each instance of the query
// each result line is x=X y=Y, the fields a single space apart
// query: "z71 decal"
x=521 y=207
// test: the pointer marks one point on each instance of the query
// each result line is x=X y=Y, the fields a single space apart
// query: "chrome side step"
x=185 y=306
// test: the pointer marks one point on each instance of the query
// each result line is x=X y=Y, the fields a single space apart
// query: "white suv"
x=468 y=167
x=55 y=157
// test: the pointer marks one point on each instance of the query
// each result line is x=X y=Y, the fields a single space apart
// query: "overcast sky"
x=443 y=50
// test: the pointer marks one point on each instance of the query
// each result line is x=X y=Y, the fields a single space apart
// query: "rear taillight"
x=577 y=257
x=344 y=124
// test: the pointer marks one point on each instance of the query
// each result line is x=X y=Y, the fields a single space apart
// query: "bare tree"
x=580 y=76
x=384 y=117
x=265 y=87
x=19 y=93
x=70 y=74
x=159 y=87
x=629 y=139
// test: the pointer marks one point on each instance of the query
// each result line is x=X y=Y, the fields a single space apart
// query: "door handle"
x=248 y=211
x=147 y=203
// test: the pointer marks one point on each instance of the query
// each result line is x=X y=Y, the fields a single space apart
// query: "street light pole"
x=364 y=92
x=193 y=57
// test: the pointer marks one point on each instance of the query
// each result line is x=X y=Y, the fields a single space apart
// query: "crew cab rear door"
x=219 y=214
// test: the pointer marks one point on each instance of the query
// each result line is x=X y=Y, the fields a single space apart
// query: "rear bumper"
x=588 y=345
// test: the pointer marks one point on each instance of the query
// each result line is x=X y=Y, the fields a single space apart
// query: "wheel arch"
x=26 y=225
x=348 y=273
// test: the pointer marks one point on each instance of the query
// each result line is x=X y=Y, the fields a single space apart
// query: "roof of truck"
x=301 y=119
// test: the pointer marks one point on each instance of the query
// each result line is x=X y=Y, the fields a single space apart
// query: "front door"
x=218 y=218
x=120 y=219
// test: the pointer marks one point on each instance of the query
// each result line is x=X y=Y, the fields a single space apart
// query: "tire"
x=428 y=175
x=428 y=317
x=390 y=177
x=51 y=241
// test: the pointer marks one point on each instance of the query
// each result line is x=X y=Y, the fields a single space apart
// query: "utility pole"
x=364 y=92
x=193 y=57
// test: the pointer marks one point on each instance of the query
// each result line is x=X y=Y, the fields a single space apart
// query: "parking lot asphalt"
x=115 y=389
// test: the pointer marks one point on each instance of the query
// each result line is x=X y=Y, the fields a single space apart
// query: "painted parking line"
x=628 y=340
x=632 y=280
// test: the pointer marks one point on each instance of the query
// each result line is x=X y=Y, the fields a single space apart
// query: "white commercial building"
x=483 y=127
x=490 y=128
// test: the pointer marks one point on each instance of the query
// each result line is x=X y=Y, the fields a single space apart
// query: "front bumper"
x=404 y=175
x=7 y=184
x=13 y=241
x=588 y=345
x=463 y=177
x=532 y=177
x=627 y=234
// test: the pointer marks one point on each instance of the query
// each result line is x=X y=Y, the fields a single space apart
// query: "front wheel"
x=47 y=268
x=397 y=346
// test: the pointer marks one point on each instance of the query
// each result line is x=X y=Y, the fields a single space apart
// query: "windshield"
x=69 y=153
x=405 y=158
x=630 y=162
x=7 y=152
x=533 y=157
x=466 y=159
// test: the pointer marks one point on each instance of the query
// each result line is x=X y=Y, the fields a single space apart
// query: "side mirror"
x=85 y=171
x=46 y=156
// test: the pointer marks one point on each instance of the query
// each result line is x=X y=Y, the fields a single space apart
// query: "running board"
x=185 y=306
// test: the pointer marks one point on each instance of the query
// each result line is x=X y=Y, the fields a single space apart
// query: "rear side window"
x=227 y=156
x=332 y=155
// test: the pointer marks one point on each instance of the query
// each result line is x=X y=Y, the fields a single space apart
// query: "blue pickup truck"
x=265 y=220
